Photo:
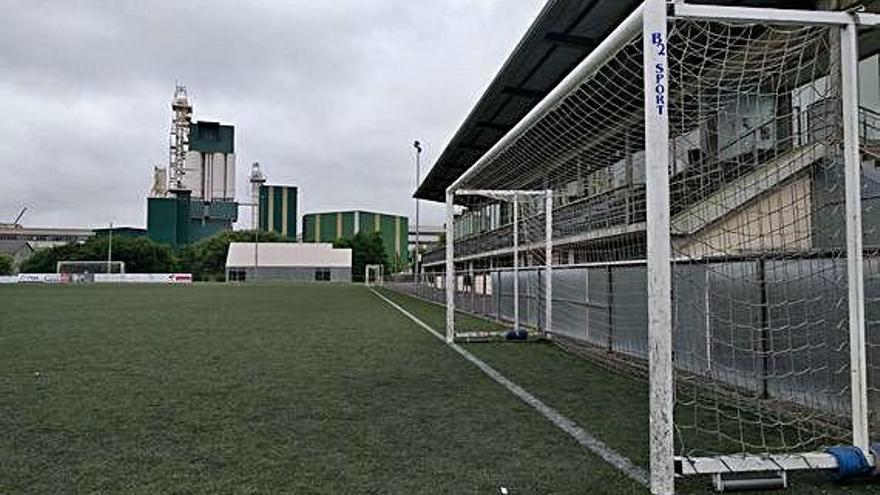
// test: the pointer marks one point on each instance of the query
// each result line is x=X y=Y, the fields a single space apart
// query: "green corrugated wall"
x=348 y=225
x=308 y=228
x=327 y=222
x=162 y=220
x=278 y=209
x=181 y=221
x=393 y=229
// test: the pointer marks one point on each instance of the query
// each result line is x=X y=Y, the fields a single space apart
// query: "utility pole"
x=110 y=248
x=257 y=254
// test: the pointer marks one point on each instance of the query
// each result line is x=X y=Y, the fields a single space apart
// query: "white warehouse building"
x=287 y=262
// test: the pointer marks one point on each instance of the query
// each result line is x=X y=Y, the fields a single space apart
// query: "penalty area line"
x=593 y=444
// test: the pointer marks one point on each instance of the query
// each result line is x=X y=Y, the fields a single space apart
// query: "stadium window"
x=322 y=275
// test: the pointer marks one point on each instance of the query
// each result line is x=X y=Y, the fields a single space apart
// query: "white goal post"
x=374 y=274
x=729 y=130
x=91 y=267
x=530 y=247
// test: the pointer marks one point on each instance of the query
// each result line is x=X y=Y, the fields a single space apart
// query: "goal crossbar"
x=685 y=10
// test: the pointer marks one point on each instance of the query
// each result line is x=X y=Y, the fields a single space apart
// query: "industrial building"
x=287 y=262
x=330 y=226
x=194 y=197
x=275 y=206
x=22 y=242
x=17 y=232
x=182 y=220
x=130 y=232
x=20 y=251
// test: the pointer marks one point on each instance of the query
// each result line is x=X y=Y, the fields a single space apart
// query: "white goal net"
x=513 y=285
x=90 y=267
x=697 y=179
x=374 y=274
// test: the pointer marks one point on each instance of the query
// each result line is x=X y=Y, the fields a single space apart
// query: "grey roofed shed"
x=287 y=262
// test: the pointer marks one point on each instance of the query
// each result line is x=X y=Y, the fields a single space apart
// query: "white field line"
x=592 y=443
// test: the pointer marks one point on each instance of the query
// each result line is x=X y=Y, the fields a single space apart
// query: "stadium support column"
x=548 y=270
x=656 y=74
x=854 y=257
x=450 y=268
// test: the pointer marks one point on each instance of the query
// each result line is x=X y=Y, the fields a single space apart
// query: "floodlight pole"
x=656 y=78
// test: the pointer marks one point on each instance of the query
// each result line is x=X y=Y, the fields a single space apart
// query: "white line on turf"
x=592 y=443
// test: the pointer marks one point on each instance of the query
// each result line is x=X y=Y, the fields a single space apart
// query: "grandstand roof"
x=564 y=32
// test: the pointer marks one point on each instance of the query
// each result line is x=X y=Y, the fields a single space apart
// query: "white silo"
x=218 y=176
x=193 y=178
x=230 y=177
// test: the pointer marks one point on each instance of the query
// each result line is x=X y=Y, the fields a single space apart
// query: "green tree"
x=366 y=249
x=206 y=259
x=6 y=262
x=140 y=255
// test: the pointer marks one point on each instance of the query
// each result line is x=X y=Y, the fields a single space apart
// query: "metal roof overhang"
x=564 y=32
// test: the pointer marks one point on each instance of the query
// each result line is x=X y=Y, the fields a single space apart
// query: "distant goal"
x=90 y=267
x=374 y=275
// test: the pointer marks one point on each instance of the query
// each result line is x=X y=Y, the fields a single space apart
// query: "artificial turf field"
x=291 y=389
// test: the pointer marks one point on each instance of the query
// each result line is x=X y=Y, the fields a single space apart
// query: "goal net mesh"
x=760 y=338
x=374 y=274
x=90 y=267
x=509 y=285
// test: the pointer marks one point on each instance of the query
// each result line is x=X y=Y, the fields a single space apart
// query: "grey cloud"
x=325 y=94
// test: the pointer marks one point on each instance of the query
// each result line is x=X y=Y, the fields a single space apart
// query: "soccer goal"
x=704 y=229
x=515 y=286
x=90 y=267
x=374 y=274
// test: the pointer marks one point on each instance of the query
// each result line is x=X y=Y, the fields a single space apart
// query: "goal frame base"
x=756 y=463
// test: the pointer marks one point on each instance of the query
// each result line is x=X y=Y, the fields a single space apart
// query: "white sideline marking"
x=592 y=443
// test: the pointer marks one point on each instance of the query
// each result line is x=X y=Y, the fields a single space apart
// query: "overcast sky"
x=327 y=95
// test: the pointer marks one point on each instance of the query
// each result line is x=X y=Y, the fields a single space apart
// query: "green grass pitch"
x=289 y=389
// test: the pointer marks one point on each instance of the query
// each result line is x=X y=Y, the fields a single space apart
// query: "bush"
x=6 y=263
x=206 y=259
x=367 y=249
